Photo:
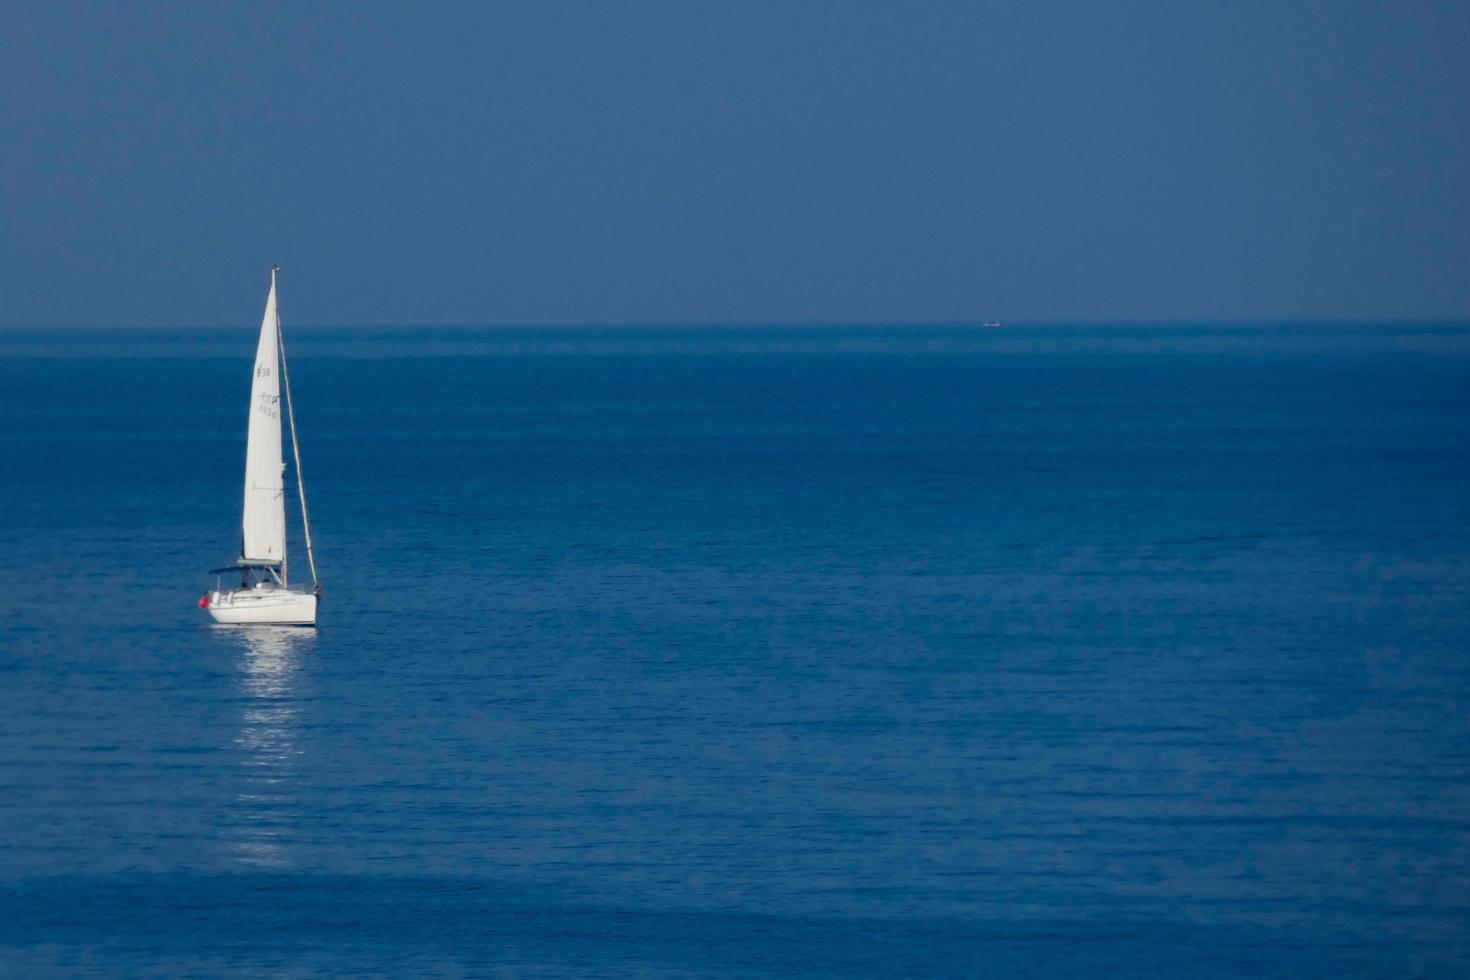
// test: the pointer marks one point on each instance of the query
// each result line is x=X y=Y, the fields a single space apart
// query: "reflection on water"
x=272 y=661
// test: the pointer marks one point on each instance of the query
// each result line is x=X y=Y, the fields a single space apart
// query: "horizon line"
x=988 y=326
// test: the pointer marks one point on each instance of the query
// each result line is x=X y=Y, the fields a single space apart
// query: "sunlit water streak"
x=271 y=668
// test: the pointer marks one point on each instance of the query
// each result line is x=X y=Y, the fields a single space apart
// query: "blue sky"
x=537 y=163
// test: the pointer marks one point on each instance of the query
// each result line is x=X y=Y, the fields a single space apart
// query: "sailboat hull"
x=264 y=607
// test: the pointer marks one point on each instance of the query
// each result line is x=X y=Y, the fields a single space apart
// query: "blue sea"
x=746 y=652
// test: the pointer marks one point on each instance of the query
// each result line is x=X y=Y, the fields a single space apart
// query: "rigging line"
x=295 y=449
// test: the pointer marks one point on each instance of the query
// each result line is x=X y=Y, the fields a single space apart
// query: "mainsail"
x=265 y=498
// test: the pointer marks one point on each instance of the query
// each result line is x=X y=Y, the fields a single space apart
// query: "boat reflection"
x=271 y=674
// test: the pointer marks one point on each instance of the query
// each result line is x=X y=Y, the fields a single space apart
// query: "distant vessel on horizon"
x=264 y=595
x=991 y=324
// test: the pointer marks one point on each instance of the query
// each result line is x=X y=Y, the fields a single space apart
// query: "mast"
x=295 y=445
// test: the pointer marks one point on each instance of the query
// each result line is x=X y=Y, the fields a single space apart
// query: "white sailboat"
x=265 y=595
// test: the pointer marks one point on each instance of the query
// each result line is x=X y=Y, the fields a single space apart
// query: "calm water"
x=775 y=653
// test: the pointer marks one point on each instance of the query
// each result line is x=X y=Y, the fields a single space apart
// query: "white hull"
x=266 y=607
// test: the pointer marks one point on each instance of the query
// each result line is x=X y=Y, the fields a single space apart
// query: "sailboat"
x=265 y=595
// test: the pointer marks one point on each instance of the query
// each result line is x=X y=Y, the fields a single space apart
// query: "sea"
x=889 y=651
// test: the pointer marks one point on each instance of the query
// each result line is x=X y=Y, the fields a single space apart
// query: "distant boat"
x=265 y=595
x=991 y=324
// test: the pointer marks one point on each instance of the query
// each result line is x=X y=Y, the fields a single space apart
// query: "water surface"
x=817 y=652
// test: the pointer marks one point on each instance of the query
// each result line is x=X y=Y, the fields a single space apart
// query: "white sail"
x=265 y=499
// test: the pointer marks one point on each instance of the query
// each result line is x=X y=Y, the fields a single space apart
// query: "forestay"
x=265 y=499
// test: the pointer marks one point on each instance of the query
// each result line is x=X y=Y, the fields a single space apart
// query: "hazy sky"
x=738 y=162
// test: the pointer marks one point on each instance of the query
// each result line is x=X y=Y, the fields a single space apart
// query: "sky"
x=743 y=162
